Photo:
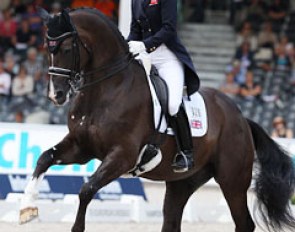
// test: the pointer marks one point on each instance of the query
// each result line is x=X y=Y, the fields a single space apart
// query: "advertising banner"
x=20 y=147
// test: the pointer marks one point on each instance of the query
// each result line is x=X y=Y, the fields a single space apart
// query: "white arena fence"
x=124 y=200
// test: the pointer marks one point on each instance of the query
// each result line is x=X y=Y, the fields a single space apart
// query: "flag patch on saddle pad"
x=197 y=124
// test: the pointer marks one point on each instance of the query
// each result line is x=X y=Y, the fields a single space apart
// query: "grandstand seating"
x=212 y=47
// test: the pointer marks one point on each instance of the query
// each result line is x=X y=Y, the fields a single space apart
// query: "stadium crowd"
x=262 y=46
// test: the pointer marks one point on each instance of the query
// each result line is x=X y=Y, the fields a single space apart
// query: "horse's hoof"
x=28 y=214
x=77 y=230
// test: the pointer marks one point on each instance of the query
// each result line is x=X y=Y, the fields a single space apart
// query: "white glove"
x=146 y=61
x=136 y=47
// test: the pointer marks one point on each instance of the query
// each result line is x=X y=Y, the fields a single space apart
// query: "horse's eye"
x=66 y=50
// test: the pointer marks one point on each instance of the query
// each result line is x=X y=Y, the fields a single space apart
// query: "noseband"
x=75 y=74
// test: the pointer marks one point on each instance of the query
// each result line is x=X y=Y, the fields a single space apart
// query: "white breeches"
x=172 y=71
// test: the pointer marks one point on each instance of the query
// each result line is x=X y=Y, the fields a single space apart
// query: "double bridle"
x=75 y=75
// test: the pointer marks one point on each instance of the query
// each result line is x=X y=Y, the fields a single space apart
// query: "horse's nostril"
x=59 y=94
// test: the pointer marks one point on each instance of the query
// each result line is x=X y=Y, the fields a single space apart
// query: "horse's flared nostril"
x=59 y=94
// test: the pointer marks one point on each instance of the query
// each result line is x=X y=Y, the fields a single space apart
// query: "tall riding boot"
x=183 y=160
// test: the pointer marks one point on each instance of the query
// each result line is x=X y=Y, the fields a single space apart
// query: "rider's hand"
x=136 y=47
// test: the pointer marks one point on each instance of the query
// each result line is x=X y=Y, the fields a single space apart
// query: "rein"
x=75 y=74
x=117 y=67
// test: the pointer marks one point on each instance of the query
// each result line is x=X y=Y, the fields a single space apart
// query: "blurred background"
x=245 y=48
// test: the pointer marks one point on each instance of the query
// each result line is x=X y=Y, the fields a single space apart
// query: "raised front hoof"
x=28 y=214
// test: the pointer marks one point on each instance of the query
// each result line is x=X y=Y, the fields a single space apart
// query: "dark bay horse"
x=111 y=120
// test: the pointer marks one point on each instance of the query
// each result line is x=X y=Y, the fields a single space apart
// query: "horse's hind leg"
x=66 y=152
x=177 y=195
x=234 y=182
x=239 y=210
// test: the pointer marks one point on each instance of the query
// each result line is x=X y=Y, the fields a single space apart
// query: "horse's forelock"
x=58 y=26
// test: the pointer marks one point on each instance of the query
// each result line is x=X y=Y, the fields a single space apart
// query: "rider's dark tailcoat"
x=154 y=23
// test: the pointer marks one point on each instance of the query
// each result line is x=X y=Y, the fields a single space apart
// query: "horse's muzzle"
x=59 y=97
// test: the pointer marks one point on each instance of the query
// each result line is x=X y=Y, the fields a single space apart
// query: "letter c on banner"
x=4 y=139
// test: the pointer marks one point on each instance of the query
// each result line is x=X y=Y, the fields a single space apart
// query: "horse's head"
x=64 y=48
x=82 y=44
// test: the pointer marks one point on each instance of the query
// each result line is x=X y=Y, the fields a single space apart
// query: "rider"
x=153 y=30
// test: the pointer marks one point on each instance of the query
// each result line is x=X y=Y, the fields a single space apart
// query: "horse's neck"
x=121 y=89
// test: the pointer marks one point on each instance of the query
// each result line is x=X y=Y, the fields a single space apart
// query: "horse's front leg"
x=113 y=166
x=66 y=152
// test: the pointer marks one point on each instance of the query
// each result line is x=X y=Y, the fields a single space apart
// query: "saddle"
x=150 y=156
x=160 y=88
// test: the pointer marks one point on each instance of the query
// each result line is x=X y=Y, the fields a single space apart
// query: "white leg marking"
x=31 y=193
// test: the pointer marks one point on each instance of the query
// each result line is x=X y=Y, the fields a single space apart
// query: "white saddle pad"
x=195 y=109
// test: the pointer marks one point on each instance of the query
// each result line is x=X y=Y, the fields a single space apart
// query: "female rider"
x=153 y=30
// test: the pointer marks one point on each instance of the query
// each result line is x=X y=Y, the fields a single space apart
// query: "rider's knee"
x=173 y=109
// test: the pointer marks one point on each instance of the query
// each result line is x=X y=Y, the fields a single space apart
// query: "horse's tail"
x=275 y=182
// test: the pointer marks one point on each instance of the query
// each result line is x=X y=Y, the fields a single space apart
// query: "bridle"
x=75 y=75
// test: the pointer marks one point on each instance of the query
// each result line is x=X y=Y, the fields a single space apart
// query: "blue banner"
x=56 y=187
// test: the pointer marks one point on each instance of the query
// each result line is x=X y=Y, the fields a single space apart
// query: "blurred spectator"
x=245 y=58
x=250 y=90
x=230 y=87
x=235 y=68
x=267 y=38
x=38 y=117
x=282 y=61
x=34 y=19
x=277 y=13
x=22 y=84
x=35 y=22
x=18 y=7
x=4 y=4
x=10 y=65
x=107 y=7
x=34 y=68
x=55 y=8
x=8 y=28
x=45 y=5
x=247 y=35
x=82 y=3
x=5 y=84
x=19 y=117
x=218 y=4
x=256 y=14
x=236 y=12
x=286 y=45
x=24 y=38
x=198 y=13
x=292 y=78
x=280 y=129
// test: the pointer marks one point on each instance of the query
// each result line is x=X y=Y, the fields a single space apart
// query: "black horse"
x=111 y=120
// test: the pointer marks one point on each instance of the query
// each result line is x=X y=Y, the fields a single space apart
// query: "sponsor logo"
x=20 y=150
x=196 y=113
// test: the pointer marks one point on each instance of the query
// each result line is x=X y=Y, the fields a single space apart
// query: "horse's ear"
x=45 y=16
x=66 y=16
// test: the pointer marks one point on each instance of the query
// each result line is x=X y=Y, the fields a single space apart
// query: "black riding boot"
x=183 y=160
